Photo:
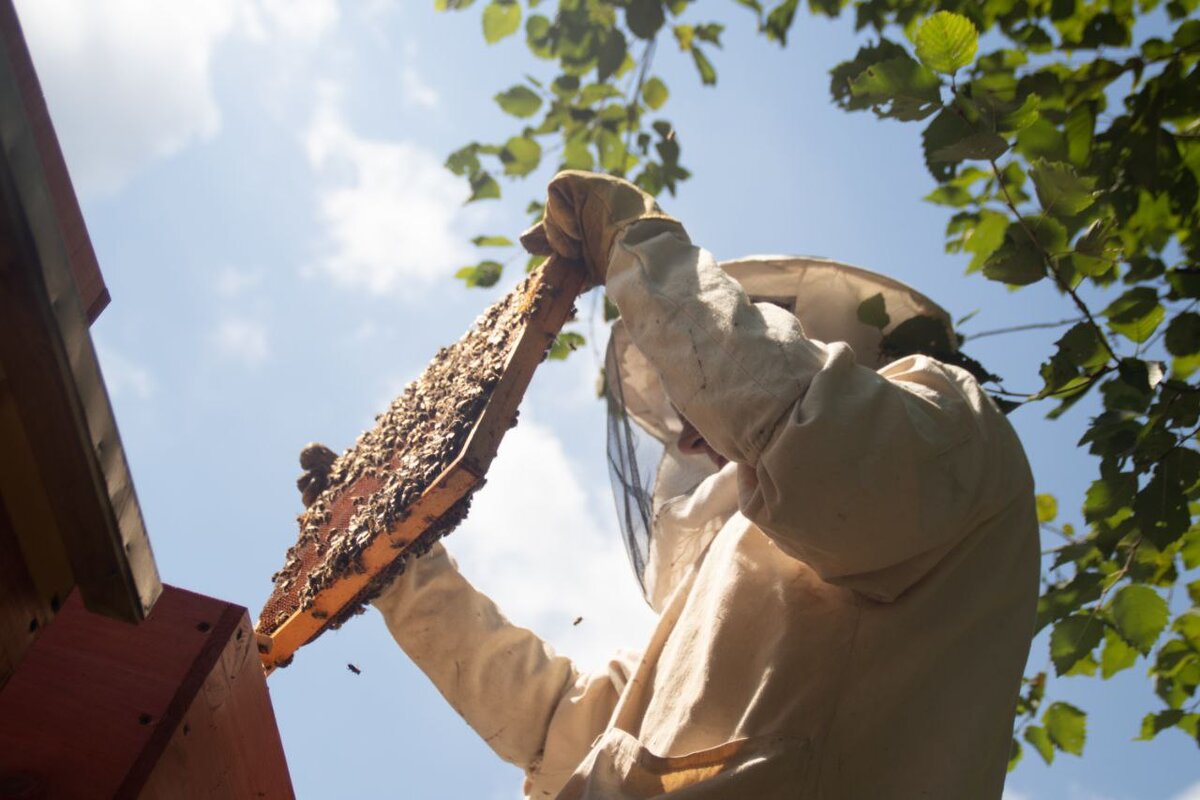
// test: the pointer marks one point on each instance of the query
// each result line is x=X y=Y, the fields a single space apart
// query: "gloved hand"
x=585 y=212
x=315 y=459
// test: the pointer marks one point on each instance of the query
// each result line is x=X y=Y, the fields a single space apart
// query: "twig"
x=632 y=101
x=970 y=337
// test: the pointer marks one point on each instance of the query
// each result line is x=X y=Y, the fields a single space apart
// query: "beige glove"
x=585 y=213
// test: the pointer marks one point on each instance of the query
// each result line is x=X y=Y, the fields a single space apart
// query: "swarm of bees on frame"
x=419 y=435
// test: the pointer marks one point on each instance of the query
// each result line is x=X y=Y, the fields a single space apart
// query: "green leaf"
x=644 y=17
x=1190 y=553
x=519 y=101
x=779 y=21
x=537 y=36
x=1187 y=35
x=1135 y=314
x=564 y=344
x=654 y=93
x=611 y=55
x=595 y=92
x=481 y=275
x=611 y=311
x=899 y=88
x=1060 y=191
x=1108 y=495
x=491 y=241
x=1072 y=639
x=982 y=240
x=577 y=155
x=1140 y=615
x=1017 y=261
x=920 y=334
x=1116 y=656
x=1047 y=508
x=950 y=138
x=520 y=156
x=946 y=42
x=464 y=161
x=1065 y=598
x=565 y=86
x=1037 y=736
x=872 y=312
x=1154 y=724
x=1188 y=624
x=483 y=187
x=1014 y=755
x=1021 y=117
x=708 y=73
x=1066 y=726
x=500 y=19
x=845 y=72
x=1079 y=128
x=1183 y=335
x=710 y=32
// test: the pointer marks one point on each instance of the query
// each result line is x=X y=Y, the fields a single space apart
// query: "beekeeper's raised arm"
x=866 y=466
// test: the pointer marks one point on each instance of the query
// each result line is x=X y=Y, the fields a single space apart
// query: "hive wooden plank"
x=50 y=367
x=22 y=610
x=174 y=707
x=561 y=281
x=85 y=270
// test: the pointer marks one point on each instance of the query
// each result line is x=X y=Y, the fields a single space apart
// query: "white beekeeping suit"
x=845 y=607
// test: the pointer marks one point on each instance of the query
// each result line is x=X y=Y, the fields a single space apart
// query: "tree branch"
x=1049 y=264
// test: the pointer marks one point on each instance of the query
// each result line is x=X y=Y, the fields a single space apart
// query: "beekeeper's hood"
x=671 y=504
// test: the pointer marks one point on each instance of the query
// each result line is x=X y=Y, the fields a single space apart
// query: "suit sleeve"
x=531 y=706
x=869 y=477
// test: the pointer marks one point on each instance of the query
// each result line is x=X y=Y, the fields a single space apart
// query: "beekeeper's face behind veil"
x=672 y=501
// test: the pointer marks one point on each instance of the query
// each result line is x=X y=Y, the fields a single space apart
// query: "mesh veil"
x=645 y=464
x=634 y=455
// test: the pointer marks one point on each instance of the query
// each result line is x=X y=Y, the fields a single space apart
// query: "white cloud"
x=123 y=375
x=1190 y=793
x=390 y=209
x=243 y=340
x=231 y=281
x=535 y=545
x=130 y=81
x=127 y=81
x=304 y=20
x=415 y=90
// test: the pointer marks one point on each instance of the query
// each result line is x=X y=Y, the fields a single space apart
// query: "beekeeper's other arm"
x=869 y=477
x=531 y=706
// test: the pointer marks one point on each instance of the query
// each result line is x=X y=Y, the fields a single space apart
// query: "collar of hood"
x=825 y=295
x=684 y=527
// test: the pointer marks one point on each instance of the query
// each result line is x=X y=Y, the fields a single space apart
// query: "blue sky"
x=263 y=185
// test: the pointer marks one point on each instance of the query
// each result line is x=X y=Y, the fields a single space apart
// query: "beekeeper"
x=841 y=543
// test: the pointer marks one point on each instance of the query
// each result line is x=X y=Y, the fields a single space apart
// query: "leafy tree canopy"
x=1066 y=148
